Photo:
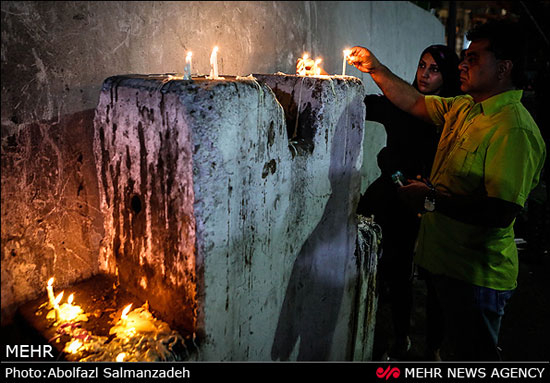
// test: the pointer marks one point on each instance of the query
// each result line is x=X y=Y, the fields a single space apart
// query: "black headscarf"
x=447 y=61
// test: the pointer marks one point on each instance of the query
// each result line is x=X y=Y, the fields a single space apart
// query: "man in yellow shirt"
x=489 y=158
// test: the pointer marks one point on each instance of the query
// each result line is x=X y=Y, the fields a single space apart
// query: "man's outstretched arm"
x=399 y=92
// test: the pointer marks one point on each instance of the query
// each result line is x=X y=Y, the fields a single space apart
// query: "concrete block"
x=231 y=230
x=181 y=167
x=319 y=306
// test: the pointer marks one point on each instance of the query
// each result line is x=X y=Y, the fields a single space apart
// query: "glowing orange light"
x=74 y=346
x=301 y=65
x=58 y=298
x=125 y=312
x=316 y=68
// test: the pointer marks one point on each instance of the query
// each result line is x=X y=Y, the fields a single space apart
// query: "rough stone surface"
x=318 y=308
x=243 y=204
x=51 y=225
x=143 y=151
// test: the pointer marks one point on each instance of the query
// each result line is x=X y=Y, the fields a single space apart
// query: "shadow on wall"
x=314 y=294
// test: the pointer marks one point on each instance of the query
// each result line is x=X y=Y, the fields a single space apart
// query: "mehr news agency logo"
x=389 y=372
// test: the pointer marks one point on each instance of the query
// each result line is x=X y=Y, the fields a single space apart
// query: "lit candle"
x=138 y=321
x=316 y=69
x=68 y=312
x=121 y=328
x=49 y=288
x=214 y=63
x=141 y=321
x=187 y=69
x=302 y=65
x=73 y=347
x=124 y=314
x=58 y=299
x=56 y=306
x=346 y=54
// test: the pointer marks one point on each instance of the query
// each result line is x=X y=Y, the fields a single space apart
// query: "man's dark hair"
x=506 y=41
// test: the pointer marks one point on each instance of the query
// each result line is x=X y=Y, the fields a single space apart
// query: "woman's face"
x=428 y=76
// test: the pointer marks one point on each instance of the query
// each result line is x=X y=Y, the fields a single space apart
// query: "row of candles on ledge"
x=305 y=66
x=213 y=65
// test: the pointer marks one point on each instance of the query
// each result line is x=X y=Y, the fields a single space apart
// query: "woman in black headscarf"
x=410 y=149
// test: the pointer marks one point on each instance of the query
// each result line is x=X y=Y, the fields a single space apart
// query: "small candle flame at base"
x=54 y=314
x=74 y=346
x=58 y=298
x=125 y=311
x=69 y=312
x=120 y=357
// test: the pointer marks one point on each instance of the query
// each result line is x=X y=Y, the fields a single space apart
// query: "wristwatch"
x=429 y=201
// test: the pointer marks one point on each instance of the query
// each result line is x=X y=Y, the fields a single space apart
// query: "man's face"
x=478 y=70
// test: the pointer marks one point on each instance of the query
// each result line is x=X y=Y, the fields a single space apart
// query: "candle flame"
x=188 y=56
x=306 y=66
x=74 y=346
x=120 y=357
x=214 y=64
x=316 y=69
x=58 y=298
x=301 y=65
x=50 y=281
x=124 y=314
x=213 y=54
x=70 y=299
x=347 y=58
